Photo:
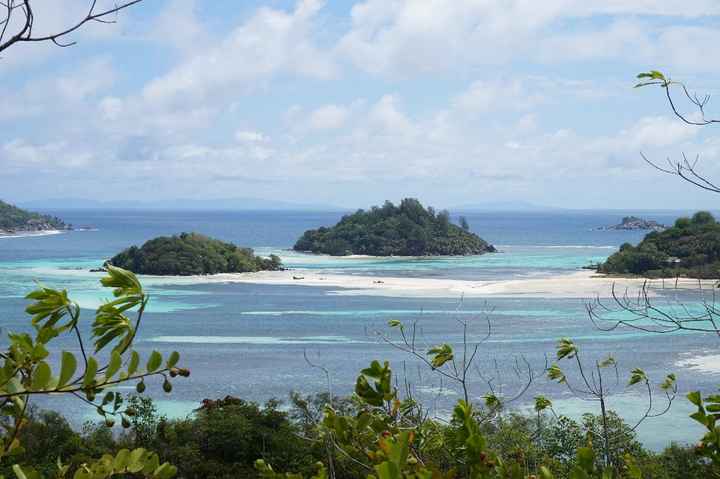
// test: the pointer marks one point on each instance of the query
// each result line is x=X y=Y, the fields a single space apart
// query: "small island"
x=691 y=248
x=633 y=223
x=14 y=220
x=190 y=254
x=408 y=229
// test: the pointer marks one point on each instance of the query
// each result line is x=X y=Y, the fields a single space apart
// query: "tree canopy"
x=191 y=254
x=690 y=248
x=408 y=229
x=14 y=218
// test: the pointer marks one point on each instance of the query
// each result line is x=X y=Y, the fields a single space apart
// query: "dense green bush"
x=405 y=230
x=224 y=441
x=191 y=254
x=690 y=248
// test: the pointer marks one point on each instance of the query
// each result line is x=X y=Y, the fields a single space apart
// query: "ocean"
x=262 y=341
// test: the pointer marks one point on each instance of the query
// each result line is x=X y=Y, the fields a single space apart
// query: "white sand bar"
x=580 y=284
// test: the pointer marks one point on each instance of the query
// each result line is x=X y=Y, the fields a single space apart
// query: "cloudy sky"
x=349 y=103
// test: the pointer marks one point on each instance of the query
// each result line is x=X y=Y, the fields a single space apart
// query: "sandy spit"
x=580 y=284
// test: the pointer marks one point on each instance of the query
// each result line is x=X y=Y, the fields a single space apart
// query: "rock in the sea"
x=635 y=223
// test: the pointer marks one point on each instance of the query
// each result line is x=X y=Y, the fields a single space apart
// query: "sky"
x=349 y=103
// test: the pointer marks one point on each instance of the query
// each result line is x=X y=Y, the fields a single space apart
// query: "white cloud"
x=403 y=37
x=482 y=96
x=328 y=117
x=246 y=136
x=20 y=154
x=462 y=96
x=179 y=26
x=271 y=42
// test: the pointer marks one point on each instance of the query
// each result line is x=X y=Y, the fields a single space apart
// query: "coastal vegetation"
x=233 y=438
x=408 y=229
x=14 y=219
x=691 y=248
x=192 y=254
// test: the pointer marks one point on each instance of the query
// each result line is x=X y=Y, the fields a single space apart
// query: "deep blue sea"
x=252 y=341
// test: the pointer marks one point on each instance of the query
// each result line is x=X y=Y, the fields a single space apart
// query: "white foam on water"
x=31 y=234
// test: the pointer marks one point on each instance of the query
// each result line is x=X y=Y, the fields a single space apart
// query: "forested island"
x=189 y=254
x=408 y=229
x=15 y=220
x=691 y=248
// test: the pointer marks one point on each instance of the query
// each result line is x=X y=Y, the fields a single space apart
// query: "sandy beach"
x=703 y=363
x=580 y=284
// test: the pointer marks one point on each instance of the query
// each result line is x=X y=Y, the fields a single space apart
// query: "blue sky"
x=350 y=103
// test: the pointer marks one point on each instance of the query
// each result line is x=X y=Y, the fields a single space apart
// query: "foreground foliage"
x=31 y=368
x=408 y=229
x=320 y=437
x=690 y=248
x=191 y=254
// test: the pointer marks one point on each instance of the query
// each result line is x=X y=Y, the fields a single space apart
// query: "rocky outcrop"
x=631 y=223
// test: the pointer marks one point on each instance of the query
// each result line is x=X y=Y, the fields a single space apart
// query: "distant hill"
x=14 y=219
x=191 y=254
x=176 y=204
x=691 y=248
x=408 y=229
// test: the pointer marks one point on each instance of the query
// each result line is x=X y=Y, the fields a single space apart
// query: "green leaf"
x=586 y=458
x=492 y=401
x=394 y=323
x=610 y=361
x=637 y=375
x=165 y=471
x=566 y=349
x=154 y=362
x=695 y=398
x=388 y=470
x=68 y=366
x=555 y=374
x=41 y=376
x=124 y=282
x=439 y=355
x=542 y=403
x=136 y=461
x=121 y=459
x=113 y=365
x=173 y=359
x=90 y=372
x=669 y=382
x=134 y=363
x=25 y=473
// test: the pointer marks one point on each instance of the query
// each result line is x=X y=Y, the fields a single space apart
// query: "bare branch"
x=24 y=32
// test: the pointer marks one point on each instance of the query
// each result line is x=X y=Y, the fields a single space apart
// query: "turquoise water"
x=251 y=340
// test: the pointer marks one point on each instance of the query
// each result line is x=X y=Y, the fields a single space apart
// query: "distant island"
x=631 y=223
x=408 y=229
x=691 y=248
x=192 y=254
x=14 y=220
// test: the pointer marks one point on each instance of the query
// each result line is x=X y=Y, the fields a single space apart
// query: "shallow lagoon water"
x=251 y=340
